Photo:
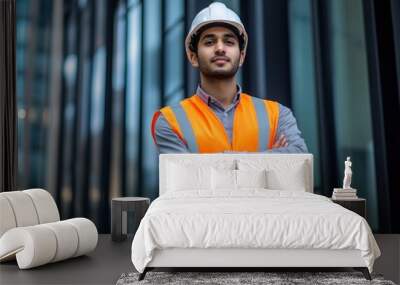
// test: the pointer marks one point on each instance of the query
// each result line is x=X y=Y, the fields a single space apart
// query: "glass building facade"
x=91 y=74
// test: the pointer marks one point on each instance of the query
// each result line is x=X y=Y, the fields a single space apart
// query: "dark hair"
x=194 y=40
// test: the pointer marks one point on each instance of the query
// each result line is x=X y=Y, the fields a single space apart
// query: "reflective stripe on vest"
x=187 y=130
x=255 y=124
x=273 y=118
x=263 y=130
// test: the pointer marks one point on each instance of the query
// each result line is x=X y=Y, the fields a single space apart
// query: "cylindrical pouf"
x=45 y=205
x=67 y=239
x=23 y=208
x=52 y=242
x=87 y=235
x=7 y=218
x=33 y=246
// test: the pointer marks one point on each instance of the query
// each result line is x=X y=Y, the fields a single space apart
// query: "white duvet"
x=251 y=218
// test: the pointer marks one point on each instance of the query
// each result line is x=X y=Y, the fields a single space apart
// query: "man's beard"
x=207 y=70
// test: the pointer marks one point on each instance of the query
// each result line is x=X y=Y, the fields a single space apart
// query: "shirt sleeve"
x=287 y=126
x=167 y=140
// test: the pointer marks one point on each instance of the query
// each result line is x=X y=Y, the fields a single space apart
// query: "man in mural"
x=219 y=117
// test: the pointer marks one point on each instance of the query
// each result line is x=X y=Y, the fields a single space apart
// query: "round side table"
x=119 y=208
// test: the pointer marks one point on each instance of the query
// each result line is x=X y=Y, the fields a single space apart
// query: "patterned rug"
x=225 y=278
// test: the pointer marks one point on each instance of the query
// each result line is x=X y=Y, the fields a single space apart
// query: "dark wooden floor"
x=103 y=266
x=110 y=260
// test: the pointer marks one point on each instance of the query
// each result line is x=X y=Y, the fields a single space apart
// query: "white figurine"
x=347 y=174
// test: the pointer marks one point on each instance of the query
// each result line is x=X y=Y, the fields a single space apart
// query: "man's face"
x=218 y=54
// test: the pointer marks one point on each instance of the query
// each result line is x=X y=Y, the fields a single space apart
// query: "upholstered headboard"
x=281 y=163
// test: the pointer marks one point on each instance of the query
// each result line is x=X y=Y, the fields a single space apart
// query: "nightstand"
x=119 y=208
x=358 y=205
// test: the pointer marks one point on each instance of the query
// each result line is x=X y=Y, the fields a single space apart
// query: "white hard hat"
x=215 y=13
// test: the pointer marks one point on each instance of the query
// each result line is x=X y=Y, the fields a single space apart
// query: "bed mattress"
x=251 y=219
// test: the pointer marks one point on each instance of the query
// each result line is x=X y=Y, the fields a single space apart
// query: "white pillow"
x=237 y=179
x=293 y=179
x=223 y=179
x=251 y=178
x=188 y=177
x=282 y=174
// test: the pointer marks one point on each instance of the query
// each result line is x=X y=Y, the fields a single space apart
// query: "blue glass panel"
x=118 y=75
x=96 y=124
x=133 y=98
x=174 y=12
x=152 y=93
x=21 y=31
x=175 y=97
x=351 y=99
x=132 y=3
x=173 y=59
x=302 y=78
x=119 y=55
x=96 y=129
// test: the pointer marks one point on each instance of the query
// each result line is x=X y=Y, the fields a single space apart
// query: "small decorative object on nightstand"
x=347 y=192
x=119 y=209
x=357 y=205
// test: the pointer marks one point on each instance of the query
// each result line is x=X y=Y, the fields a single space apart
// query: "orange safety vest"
x=255 y=124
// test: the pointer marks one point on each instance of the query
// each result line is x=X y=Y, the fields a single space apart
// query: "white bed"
x=268 y=217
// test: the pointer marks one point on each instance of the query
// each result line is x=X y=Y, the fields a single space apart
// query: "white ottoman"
x=31 y=232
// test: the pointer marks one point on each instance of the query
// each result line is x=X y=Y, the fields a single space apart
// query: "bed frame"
x=246 y=258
